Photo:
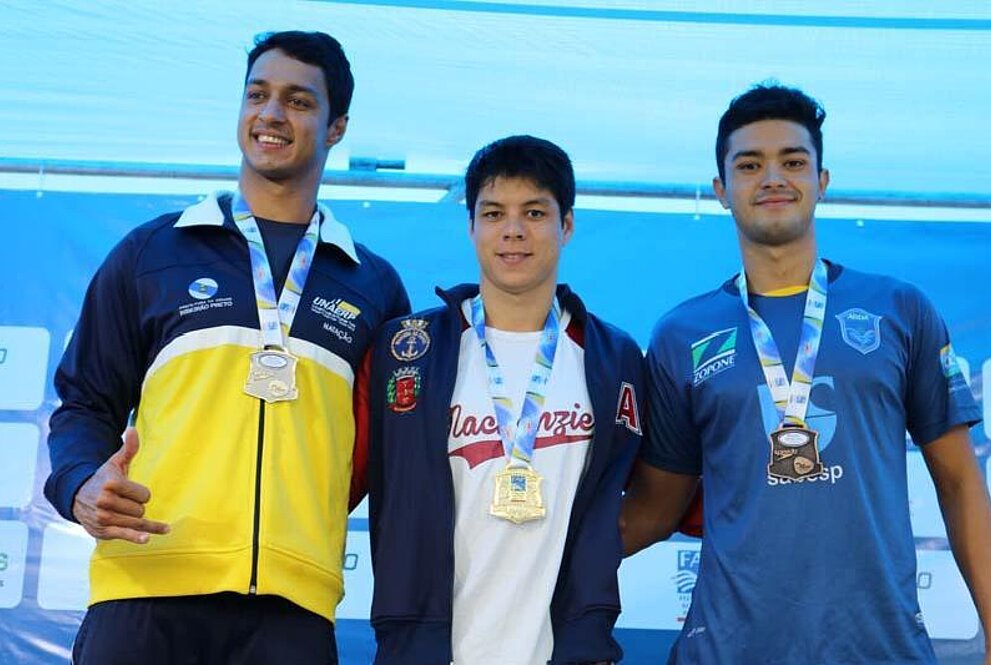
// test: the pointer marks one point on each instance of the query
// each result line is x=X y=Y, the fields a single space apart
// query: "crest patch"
x=411 y=341
x=860 y=329
x=403 y=389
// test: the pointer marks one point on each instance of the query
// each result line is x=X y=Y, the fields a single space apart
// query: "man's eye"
x=747 y=166
x=795 y=164
x=536 y=214
x=300 y=103
x=254 y=95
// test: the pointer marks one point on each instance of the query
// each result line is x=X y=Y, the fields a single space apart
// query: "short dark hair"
x=313 y=48
x=770 y=101
x=541 y=162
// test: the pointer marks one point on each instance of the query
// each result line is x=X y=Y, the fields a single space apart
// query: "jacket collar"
x=211 y=212
x=454 y=296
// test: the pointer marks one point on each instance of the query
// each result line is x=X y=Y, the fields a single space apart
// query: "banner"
x=617 y=262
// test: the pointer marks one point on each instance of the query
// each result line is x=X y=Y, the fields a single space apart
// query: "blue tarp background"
x=629 y=268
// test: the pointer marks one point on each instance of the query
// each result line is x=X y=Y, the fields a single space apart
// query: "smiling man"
x=239 y=325
x=503 y=427
x=789 y=389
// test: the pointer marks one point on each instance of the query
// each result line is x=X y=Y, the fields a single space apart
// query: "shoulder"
x=587 y=328
x=612 y=335
x=376 y=263
x=710 y=310
x=425 y=323
x=140 y=242
x=874 y=288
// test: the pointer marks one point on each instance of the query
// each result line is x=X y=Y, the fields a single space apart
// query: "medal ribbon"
x=791 y=400
x=518 y=439
x=275 y=317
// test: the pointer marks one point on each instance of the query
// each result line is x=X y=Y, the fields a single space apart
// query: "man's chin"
x=778 y=235
x=272 y=173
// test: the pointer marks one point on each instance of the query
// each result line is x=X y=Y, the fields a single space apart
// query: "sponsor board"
x=13 y=548
x=23 y=367
x=19 y=454
x=947 y=609
x=357 y=603
x=63 y=576
x=656 y=585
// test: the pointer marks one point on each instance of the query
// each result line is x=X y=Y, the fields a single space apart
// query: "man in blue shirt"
x=789 y=390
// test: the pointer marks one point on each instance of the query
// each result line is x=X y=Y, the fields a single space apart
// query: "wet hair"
x=313 y=48
x=770 y=101
x=541 y=162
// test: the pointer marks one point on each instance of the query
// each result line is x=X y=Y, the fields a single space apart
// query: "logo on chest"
x=339 y=316
x=554 y=428
x=204 y=292
x=403 y=389
x=713 y=354
x=338 y=310
x=860 y=329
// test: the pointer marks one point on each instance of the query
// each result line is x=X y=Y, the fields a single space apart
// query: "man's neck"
x=281 y=202
x=517 y=312
x=773 y=268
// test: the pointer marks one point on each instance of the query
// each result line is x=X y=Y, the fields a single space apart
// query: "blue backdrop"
x=629 y=268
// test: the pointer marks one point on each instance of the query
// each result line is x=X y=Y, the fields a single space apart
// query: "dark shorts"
x=225 y=628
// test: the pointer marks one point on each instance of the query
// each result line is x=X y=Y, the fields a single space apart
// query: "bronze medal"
x=794 y=453
x=517 y=495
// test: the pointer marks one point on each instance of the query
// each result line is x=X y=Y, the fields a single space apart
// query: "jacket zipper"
x=253 y=583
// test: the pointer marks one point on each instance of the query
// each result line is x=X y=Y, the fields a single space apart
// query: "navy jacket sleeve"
x=98 y=379
x=587 y=593
x=397 y=305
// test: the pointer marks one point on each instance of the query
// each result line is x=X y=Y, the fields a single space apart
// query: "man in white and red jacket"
x=502 y=428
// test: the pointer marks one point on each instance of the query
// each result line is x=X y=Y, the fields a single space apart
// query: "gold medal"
x=794 y=453
x=517 y=495
x=272 y=376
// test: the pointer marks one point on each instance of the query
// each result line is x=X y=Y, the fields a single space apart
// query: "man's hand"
x=110 y=506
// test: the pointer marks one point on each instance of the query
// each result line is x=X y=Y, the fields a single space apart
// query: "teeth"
x=274 y=140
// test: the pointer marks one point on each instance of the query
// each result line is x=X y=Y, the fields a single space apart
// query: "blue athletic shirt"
x=821 y=570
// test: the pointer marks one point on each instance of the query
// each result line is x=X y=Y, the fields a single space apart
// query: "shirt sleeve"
x=938 y=396
x=671 y=441
x=98 y=379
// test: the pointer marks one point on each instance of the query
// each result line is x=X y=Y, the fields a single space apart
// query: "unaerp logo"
x=713 y=354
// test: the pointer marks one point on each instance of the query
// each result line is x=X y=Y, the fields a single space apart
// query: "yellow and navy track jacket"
x=256 y=494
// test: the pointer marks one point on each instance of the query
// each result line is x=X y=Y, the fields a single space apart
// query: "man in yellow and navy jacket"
x=239 y=326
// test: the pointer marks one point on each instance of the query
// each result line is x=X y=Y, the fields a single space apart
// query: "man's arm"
x=654 y=505
x=99 y=382
x=963 y=500
x=399 y=306
x=110 y=506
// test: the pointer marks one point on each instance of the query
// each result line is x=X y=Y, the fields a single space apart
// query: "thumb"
x=122 y=458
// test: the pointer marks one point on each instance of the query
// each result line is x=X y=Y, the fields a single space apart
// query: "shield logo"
x=860 y=329
x=403 y=389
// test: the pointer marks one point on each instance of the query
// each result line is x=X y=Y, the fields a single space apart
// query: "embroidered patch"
x=626 y=411
x=411 y=341
x=403 y=389
x=860 y=329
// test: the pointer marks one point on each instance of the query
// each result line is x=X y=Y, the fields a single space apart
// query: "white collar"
x=208 y=213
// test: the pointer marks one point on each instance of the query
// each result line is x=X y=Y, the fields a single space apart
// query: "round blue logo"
x=203 y=288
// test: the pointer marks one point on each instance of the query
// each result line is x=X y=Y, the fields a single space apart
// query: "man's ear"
x=717 y=187
x=567 y=226
x=337 y=130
